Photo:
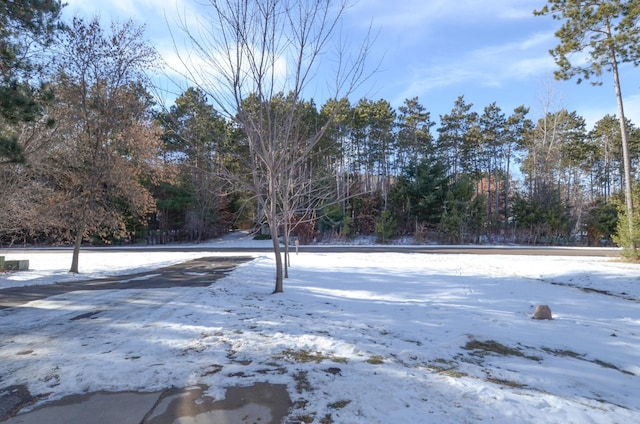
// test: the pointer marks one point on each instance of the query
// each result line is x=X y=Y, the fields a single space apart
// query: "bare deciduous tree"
x=247 y=54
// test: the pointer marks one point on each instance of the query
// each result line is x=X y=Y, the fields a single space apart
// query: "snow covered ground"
x=358 y=338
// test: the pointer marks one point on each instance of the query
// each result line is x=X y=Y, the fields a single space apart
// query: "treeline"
x=94 y=158
x=473 y=177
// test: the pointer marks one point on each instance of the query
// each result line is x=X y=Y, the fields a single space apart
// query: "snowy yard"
x=358 y=338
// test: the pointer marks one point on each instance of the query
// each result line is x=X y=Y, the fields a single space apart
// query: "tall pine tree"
x=608 y=32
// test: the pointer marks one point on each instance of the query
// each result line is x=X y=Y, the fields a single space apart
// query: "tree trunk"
x=507 y=188
x=286 y=238
x=489 y=201
x=278 y=256
x=628 y=189
x=76 y=251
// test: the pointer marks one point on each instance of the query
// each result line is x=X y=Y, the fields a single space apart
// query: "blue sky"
x=488 y=51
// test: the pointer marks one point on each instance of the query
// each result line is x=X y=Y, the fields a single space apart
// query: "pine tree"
x=609 y=32
x=26 y=28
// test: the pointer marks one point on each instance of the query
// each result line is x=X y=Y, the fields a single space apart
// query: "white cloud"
x=124 y=7
x=443 y=44
x=538 y=39
x=523 y=10
x=412 y=14
x=490 y=66
x=531 y=67
x=149 y=12
x=80 y=6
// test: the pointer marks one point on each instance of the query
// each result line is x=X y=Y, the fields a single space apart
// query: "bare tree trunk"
x=76 y=250
x=272 y=221
x=628 y=189
x=286 y=237
x=489 y=202
x=278 y=257
x=507 y=188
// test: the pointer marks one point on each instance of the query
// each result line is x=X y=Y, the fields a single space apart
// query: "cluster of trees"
x=480 y=176
x=86 y=154
x=79 y=149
